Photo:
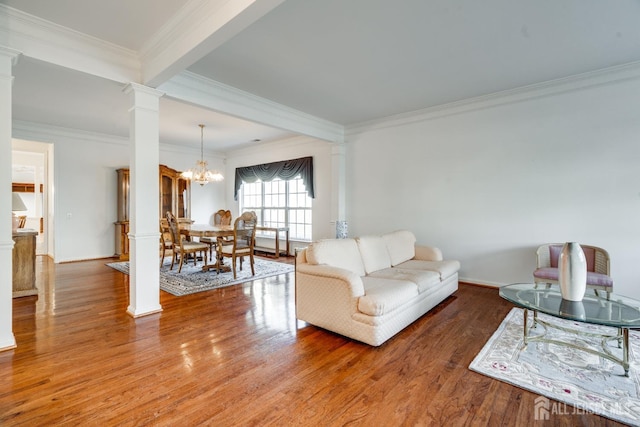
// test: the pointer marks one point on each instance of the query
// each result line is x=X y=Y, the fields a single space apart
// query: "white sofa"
x=371 y=287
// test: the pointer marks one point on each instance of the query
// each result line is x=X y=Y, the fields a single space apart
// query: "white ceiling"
x=342 y=61
x=40 y=89
x=123 y=22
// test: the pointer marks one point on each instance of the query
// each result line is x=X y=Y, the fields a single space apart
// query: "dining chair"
x=182 y=246
x=242 y=243
x=222 y=217
x=165 y=240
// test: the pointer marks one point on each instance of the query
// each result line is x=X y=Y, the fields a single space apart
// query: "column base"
x=132 y=312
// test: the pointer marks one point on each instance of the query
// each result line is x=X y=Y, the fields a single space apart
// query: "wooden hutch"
x=175 y=196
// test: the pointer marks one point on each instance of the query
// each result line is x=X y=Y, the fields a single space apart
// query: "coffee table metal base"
x=622 y=339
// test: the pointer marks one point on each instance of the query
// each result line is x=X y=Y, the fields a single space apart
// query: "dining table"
x=206 y=230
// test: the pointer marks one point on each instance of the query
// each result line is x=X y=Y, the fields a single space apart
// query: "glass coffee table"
x=617 y=311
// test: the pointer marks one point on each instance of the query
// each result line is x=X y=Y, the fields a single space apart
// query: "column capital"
x=10 y=53
x=138 y=88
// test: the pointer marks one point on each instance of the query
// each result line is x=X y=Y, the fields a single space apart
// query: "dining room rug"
x=587 y=382
x=192 y=279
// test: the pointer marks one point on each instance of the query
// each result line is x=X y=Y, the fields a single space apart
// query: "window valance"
x=285 y=170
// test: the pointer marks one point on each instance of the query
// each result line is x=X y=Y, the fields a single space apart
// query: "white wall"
x=490 y=180
x=291 y=148
x=85 y=184
x=85 y=187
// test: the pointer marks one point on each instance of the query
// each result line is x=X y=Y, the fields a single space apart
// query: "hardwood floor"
x=237 y=356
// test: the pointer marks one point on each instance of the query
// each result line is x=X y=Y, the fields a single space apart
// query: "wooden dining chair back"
x=166 y=243
x=222 y=217
x=182 y=246
x=242 y=243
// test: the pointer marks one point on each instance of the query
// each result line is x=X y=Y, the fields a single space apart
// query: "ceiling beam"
x=197 y=29
x=207 y=93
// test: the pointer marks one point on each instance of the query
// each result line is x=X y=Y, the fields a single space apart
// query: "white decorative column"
x=144 y=232
x=338 y=191
x=8 y=58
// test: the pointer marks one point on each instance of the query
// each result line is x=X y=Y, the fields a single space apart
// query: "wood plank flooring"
x=237 y=356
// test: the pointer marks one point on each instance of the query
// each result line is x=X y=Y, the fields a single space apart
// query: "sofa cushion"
x=445 y=268
x=401 y=246
x=373 y=250
x=382 y=296
x=342 y=253
x=424 y=279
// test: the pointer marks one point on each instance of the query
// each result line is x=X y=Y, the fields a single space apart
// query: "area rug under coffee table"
x=591 y=384
x=192 y=279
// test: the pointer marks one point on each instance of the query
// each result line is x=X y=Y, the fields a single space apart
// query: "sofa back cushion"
x=342 y=253
x=401 y=246
x=375 y=255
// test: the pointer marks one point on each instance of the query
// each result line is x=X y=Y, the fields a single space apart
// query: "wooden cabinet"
x=24 y=263
x=175 y=197
x=175 y=193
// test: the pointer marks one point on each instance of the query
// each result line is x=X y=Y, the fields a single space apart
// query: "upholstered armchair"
x=598 y=274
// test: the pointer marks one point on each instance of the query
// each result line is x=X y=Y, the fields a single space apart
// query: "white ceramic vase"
x=342 y=229
x=572 y=272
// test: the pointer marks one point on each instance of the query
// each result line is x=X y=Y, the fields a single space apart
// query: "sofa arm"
x=344 y=278
x=428 y=253
x=327 y=296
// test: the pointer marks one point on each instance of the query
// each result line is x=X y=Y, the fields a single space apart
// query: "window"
x=279 y=203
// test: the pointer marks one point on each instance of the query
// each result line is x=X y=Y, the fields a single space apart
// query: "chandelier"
x=200 y=173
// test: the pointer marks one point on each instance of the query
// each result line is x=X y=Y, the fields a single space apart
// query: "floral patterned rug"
x=192 y=279
x=587 y=382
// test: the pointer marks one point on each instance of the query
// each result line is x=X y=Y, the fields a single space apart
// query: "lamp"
x=17 y=205
x=200 y=173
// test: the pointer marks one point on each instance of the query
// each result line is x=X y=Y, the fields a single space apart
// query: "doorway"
x=32 y=179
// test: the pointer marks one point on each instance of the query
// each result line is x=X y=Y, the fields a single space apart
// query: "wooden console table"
x=24 y=263
x=276 y=230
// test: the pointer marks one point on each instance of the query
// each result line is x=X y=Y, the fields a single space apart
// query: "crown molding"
x=41 y=132
x=611 y=75
x=199 y=90
x=289 y=143
x=53 y=43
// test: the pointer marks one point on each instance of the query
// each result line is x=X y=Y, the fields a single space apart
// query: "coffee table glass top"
x=618 y=311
